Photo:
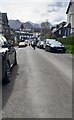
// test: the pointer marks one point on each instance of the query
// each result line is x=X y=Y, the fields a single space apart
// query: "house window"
x=59 y=32
x=68 y=31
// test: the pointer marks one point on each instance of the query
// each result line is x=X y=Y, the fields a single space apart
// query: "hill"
x=16 y=24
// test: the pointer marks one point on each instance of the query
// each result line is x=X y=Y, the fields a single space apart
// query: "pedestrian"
x=34 y=44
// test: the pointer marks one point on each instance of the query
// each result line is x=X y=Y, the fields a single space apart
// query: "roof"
x=68 y=25
x=70 y=3
x=60 y=26
x=55 y=29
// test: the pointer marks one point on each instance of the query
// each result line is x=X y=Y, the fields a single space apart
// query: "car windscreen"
x=1 y=41
x=55 y=43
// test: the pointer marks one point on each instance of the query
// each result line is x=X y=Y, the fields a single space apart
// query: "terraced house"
x=70 y=15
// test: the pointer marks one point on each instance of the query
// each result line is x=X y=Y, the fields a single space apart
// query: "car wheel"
x=7 y=73
x=49 y=49
x=64 y=51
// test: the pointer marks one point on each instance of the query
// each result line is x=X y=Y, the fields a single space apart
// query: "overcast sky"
x=35 y=10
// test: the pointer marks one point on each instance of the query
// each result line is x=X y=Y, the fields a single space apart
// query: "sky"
x=36 y=11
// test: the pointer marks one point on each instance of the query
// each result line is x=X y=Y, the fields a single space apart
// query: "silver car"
x=8 y=54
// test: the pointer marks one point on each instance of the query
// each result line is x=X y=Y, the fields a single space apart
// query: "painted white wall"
x=70 y=17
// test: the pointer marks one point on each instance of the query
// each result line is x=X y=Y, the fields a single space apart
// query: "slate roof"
x=70 y=3
x=61 y=25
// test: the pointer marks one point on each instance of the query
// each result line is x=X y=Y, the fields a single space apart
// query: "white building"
x=70 y=15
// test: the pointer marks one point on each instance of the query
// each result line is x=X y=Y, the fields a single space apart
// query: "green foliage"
x=68 y=42
x=69 y=48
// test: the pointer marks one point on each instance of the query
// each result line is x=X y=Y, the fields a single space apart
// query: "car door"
x=10 y=52
x=11 y=55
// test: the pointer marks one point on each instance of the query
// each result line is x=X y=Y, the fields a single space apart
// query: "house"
x=70 y=15
x=4 y=27
x=59 y=30
x=67 y=29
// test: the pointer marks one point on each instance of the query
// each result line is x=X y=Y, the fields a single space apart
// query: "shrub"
x=68 y=40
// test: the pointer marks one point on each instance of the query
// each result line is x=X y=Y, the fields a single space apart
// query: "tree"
x=45 y=30
x=22 y=26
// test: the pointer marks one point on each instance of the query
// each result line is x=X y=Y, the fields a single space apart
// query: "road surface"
x=40 y=87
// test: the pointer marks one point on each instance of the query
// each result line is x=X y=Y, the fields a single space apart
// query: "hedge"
x=67 y=40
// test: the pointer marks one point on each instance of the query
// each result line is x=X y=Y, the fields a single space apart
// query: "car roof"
x=50 y=39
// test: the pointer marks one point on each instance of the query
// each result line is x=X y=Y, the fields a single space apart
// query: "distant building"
x=21 y=35
x=70 y=15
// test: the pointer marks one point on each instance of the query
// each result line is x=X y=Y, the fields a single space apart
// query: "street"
x=40 y=87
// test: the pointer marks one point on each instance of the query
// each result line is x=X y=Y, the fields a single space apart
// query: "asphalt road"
x=40 y=87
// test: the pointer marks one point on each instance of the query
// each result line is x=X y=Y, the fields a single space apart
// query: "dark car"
x=8 y=53
x=54 y=46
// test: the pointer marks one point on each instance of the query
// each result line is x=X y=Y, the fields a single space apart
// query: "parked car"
x=26 y=42
x=22 y=44
x=9 y=59
x=47 y=41
x=55 y=46
x=40 y=44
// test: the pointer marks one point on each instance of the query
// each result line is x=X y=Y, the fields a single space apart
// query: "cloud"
x=55 y=7
x=58 y=19
x=57 y=4
x=60 y=4
x=34 y=10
